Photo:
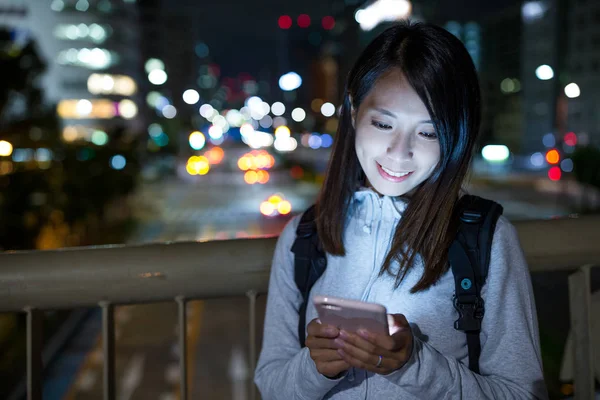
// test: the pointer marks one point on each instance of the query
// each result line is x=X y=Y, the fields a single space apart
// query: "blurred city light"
x=509 y=85
x=532 y=10
x=298 y=114
x=99 y=138
x=197 y=165
x=570 y=139
x=234 y=118
x=157 y=77
x=572 y=90
x=549 y=140
x=326 y=140
x=285 y=22
x=6 y=148
x=327 y=109
x=279 y=121
x=290 y=81
x=251 y=177
x=278 y=108
x=567 y=165
x=118 y=162
x=303 y=20
x=554 y=173
x=197 y=140
x=206 y=110
x=314 y=141
x=191 y=96
x=495 y=153
x=215 y=155
x=382 y=11
x=122 y=85
x=537 y=159
x=266 y=122
x=215 y=132
x=154 y=64
x=86 y=109
x=169 y=111
x=552 y=156
x=127 y=109
x=282 y=131
x=544 y=72
x=328 y=23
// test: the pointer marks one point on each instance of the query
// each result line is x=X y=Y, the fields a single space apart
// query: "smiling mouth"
x=394 y=173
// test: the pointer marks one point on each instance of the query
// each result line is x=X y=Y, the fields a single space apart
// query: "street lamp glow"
x=290 y=81
x=298 y=114
x=572 y=90
x=495 y=153
x=157 y=77
x=191 y=96
x=544 y=72
x=328 y=109
x=84 y=107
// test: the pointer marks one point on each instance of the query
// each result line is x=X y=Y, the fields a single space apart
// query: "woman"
x=408 y=125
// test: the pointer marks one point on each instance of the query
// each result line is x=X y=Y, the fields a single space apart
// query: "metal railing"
x=35 y=281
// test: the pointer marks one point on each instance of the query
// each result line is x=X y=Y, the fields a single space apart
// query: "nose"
x=400 y=148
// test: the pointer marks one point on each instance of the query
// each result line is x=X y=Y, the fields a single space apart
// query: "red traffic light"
x=328 y=23
x=303 y=21
x=285 y=22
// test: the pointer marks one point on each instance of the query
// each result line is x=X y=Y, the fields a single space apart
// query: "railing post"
x=252 y=294
x=108 y=349
x=34 y=354
x=580 y=307
x=182 y=312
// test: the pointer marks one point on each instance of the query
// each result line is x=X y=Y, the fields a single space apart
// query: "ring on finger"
x=378 y=365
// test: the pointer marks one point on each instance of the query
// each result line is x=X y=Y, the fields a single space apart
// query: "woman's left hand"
x=364 y=349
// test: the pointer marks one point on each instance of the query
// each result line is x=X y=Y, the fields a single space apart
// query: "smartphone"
x=352 y=315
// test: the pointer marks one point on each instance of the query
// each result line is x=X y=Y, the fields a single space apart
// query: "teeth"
x=392 y=173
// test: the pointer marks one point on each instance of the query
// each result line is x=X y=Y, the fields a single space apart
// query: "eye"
x=429 y=135
x=380 y=125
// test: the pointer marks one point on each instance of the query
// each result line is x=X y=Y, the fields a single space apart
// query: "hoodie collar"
x=367 y=203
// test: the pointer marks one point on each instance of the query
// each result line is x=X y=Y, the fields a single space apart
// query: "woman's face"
x=396 y=143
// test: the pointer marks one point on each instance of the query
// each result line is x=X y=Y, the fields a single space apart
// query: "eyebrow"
x=391 y=114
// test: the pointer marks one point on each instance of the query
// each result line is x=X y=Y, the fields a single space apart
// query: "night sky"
x=243 y=35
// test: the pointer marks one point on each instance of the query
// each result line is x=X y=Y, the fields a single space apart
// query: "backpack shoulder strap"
x=469 y=258
x=309 y=263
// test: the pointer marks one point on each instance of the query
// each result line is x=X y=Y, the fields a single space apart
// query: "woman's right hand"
x=323 y=349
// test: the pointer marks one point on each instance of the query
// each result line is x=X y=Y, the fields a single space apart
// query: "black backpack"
x=469 y=257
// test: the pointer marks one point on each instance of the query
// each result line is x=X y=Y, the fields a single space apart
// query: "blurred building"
x=560 y=70
x=92 y=60
x=583 y=66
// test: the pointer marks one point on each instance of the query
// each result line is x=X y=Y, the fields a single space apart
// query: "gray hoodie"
x=510 y=361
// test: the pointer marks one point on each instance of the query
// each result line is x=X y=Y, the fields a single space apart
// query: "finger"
x=314 y=342
x=334 y=368
x=388 y=343
x=320 y=330
x=387 y=365
x=365 y=356
x=325 y=355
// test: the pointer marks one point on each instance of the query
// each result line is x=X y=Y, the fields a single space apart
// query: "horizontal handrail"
x=124 y=274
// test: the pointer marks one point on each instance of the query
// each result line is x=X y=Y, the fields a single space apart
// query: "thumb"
x=398 y=322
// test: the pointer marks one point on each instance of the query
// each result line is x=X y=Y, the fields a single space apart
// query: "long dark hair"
x=440 y=70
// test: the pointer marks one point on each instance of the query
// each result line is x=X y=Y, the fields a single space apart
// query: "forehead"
x=393 y=92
